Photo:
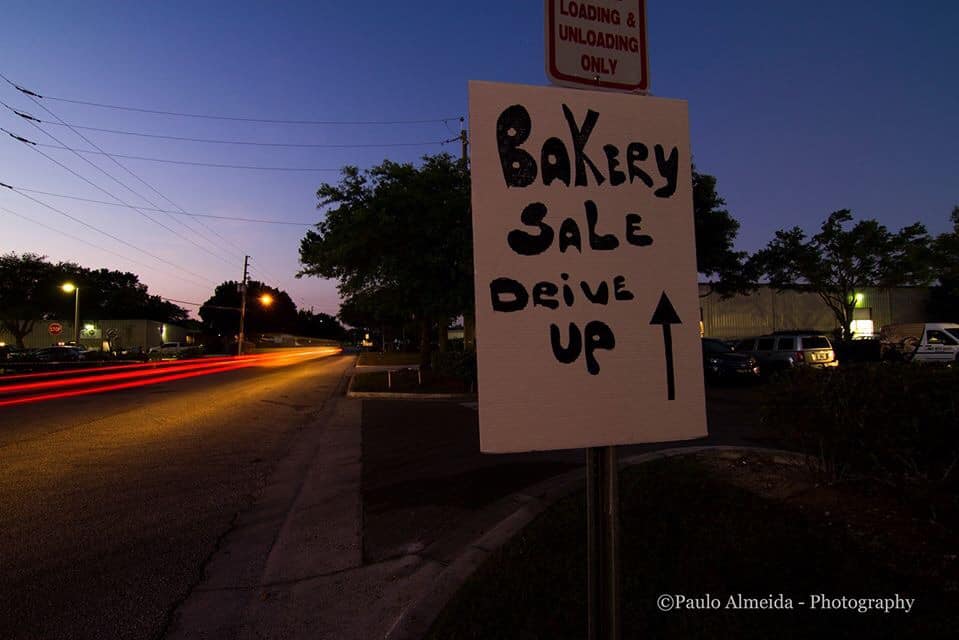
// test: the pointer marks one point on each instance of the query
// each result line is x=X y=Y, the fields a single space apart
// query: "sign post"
x=602 y=540
x=586 y=288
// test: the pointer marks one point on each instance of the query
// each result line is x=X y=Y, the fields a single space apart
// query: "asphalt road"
x=111 y=504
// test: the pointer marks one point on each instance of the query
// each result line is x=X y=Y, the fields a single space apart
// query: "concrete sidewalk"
x=334 y=550
x=292 y=566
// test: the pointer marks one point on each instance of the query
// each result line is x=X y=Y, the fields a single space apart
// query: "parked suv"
x=720 y=362
x=786 y=350
x=174 y=350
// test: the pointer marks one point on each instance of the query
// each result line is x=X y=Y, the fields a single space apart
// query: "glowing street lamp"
x=266 y=299
x=69 y=287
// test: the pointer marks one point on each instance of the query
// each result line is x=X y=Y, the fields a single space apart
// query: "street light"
x=264 y=299
x=69 y=287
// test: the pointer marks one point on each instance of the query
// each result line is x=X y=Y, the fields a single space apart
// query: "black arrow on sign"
x=666 y=315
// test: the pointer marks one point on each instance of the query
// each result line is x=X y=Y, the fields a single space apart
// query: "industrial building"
x=766 y=310
x=120 y=334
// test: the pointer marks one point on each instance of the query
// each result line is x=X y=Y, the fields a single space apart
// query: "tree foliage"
x=221 y=312
x=398 y=240
x=319 y=325
x=30 y=291
x=838 y=261
x=726 y=271
x=945 y=297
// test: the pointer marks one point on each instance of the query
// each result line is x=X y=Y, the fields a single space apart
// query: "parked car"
x=921 y=342
x=720 y=362
x=131 y=353
x=174 y=350
x=786 y=350
x=58 y=354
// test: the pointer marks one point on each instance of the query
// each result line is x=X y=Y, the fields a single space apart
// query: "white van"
x=922 y=342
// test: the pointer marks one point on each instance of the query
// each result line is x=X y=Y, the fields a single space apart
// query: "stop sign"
x=55 y=328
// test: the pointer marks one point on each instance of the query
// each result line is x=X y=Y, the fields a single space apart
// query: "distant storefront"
x=120 y=334
x=767 y=310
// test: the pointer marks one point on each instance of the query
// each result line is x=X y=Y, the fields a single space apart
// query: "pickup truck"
x=174 y=350
x=921 y=342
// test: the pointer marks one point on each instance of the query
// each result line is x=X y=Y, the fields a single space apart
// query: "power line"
x=240 y=251
x=183 y=162
x=181 y=114
x=31 y=120
x=94 y=245
x=195 y=304
x=291 y=145
x=241 y=119
x=76 y=238
x=113 y=237
x=170 y=211
x=35 y=146
x=34 y=96
x=81 y=240
x=90 y=244
x=108 y=193
x=136 y=176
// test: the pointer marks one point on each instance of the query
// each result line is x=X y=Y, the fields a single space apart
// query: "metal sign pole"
x=602 y=540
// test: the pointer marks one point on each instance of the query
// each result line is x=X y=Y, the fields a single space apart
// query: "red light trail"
x=93 y=370
x=77 y=382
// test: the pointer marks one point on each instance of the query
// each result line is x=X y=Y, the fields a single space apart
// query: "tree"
x=116 y=294
x=398 y=239
x=836 y=262
x=319 y=325
x=221 y=312
x=945 y=297
x=726 y=271
x=29 y=291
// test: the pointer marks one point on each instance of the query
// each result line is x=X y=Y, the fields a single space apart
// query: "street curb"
x=415 y=621
x=392 y=395
x=384 y=367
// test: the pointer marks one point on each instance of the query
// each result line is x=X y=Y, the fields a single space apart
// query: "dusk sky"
x=798 y=109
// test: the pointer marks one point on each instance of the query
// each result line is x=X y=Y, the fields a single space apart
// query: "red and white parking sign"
x=599 y=44
x=55 y=328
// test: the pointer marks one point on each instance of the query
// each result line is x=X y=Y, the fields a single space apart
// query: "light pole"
x=69 y=287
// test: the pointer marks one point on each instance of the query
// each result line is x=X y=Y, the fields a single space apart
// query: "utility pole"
x=246 y=266
x=469 y=317
x=464 y=141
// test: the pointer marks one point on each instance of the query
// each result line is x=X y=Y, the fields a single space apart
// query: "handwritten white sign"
x=587 y=305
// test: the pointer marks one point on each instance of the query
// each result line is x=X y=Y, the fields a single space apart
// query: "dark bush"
x=455 y=364
x=898 y=423
x=848 y=351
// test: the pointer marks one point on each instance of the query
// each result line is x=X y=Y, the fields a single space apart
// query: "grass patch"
x=407 y=381
x=390 y=358
x=690 y=529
